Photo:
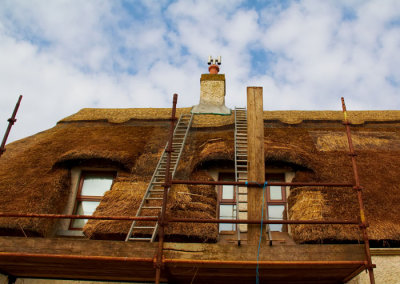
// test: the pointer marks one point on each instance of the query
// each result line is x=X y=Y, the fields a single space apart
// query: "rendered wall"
x=387 y=271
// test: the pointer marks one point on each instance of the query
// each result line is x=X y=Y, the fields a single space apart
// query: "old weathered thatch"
x=34 y=172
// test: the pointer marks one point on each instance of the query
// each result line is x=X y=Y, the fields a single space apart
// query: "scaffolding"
x=11 y=122
x=159 y=260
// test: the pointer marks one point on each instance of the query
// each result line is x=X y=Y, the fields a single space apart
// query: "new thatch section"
x=379 y=169
x=125 y=197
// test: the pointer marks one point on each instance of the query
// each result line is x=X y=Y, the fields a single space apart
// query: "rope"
x=262 y=219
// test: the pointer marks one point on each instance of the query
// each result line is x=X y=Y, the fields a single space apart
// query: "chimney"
x=212 y=91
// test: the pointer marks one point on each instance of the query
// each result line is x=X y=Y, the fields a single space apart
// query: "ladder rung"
x=139 y=239
x=151 y=207
x=144 y=227
x=154 y=198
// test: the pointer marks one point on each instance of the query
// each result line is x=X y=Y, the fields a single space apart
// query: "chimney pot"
x=213 y=69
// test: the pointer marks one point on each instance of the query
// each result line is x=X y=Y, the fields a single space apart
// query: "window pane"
x=84 y=208
x=94 y=185
x=228 y=192
x=227 y=212
x=275 y=192
x=275 y=212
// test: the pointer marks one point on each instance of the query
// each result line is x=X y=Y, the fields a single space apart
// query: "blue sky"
x=67 y=55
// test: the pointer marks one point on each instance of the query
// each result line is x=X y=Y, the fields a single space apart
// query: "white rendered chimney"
x=212 y=91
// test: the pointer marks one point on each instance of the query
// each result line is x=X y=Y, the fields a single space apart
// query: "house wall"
x=387 y=269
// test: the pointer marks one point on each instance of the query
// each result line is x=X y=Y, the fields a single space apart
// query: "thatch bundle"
x=124 y=199
x=312 y=203
x=378 y=171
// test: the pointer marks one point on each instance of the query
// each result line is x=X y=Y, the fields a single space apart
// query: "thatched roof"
x=34 y=172
x=187 y=202
x=289 y=117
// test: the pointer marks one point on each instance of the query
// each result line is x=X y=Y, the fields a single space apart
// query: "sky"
x=63 y=56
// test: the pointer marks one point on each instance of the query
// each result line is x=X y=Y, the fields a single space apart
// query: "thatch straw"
x=204 y=146
x=34 y=171
x=362 y=140
x=124 y=200
x=289 y=117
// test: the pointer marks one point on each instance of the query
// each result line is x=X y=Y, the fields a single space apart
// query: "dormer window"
x=92 y=186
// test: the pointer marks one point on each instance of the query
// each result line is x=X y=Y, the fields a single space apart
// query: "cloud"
x=66 y=55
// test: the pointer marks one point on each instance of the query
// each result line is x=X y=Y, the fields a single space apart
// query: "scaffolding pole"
x=178 y=220
x=162 y=219
x=11 y=122
x=159 y=259
x=357 y=187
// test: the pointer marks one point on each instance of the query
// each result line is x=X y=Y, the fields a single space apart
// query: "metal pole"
x=11 y=122
x=167 y=186
x=261 y=184
x=176 y=220
x=186 y=261
x=358 y=188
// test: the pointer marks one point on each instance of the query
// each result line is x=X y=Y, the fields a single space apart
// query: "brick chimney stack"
x=212 y=90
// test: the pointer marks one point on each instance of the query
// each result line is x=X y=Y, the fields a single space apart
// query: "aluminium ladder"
x=241 y=168
x=240 y=164
x=152 y=200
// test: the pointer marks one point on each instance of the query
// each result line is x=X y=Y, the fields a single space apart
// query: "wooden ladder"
x=152 y=200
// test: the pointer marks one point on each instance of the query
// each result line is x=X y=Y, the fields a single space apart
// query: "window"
x=276 y=201
x=227 y=201
x=92 y=186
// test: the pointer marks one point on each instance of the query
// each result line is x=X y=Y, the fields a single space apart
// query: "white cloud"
x=66 y=55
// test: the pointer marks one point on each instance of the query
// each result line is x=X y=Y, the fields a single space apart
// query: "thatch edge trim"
x=287 y=116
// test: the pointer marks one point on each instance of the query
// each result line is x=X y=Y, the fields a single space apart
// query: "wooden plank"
x=54 y=258
x=256 y=165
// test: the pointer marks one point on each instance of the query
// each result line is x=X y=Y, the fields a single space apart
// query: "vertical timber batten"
x=256 y=165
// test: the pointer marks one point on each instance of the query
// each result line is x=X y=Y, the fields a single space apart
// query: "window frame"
x=79 y=197
x=222 y=201
x=283 y=201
